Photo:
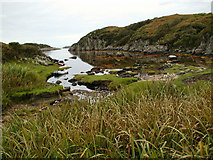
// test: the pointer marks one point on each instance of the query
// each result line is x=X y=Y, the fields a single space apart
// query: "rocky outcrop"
x=205 y=47
x=166 y=34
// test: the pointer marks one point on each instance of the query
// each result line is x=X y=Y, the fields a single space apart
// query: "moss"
x=115 y=82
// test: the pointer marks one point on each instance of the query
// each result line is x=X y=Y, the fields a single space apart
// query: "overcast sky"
x=63 y=22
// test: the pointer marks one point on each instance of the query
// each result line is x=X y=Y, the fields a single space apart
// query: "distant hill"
x=38 y=45
x=182 y=33
x=14 y=51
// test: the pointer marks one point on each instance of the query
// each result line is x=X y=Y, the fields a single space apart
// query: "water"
x=77 y=66
x=109 y=60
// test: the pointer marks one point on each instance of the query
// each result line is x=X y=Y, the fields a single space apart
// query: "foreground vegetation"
x=22 y=79
x=143 y=120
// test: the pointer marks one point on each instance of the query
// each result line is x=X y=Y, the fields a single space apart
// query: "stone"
x=67 y=88
x=74 y=57
x=72 y=80
x=172 y=57
x=74 y=84
x=91 y=73
x=58 y=82
x=181 y=73
x=58 y=73
x=95 y=69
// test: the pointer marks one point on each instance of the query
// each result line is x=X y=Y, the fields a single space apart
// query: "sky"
x=61 y=23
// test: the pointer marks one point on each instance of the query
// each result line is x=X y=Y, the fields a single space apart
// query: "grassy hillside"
x=15 y=51
x=175 y=31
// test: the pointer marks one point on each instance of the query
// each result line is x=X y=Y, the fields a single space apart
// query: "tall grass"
x=17 y=77
x=145 y=120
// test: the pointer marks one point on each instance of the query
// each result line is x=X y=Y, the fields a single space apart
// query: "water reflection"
x=86 y=60
x=77 y=66
x=119 y=59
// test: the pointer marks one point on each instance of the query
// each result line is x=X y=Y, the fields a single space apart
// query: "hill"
x=182 y=33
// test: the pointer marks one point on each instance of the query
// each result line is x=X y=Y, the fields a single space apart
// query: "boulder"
x=58 y=73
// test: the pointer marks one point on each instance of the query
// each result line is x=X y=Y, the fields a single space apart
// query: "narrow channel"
x=77 y=67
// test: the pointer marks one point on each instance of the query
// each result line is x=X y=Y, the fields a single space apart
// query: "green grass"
x=116 y=82
x=24 y=80
x=179 y=81
x=63 y=68
x=144 y=120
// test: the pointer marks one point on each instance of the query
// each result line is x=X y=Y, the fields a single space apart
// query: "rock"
x=41 y=62
x=181 y=73
x=175 y=61
x=80 y=83
x=119 y=54
x=74 y=57
x=66 y=59
x=172 y=57
x=55 y=61
x=199 y=51
x=95 y=69
x=91 y=73
x=58 y=82
x=74 y=84
x=43 y=108
x=188 y=70
x=66 y=88
x=121 y=71
x=164 y=67
x=58 y=73
x=54 y=102
x=72 y=80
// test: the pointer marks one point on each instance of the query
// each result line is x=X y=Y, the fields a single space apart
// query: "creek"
x=76 y=67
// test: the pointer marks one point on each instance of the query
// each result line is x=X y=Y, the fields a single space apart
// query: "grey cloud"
x=42 y=22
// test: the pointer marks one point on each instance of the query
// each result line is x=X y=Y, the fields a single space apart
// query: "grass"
x=179 y=81
x=63 y=68
x=115 y=82
x=24 y=80
x=143 y=120
x=175 y=31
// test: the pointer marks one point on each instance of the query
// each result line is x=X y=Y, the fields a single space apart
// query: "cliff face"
x=180 y=33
